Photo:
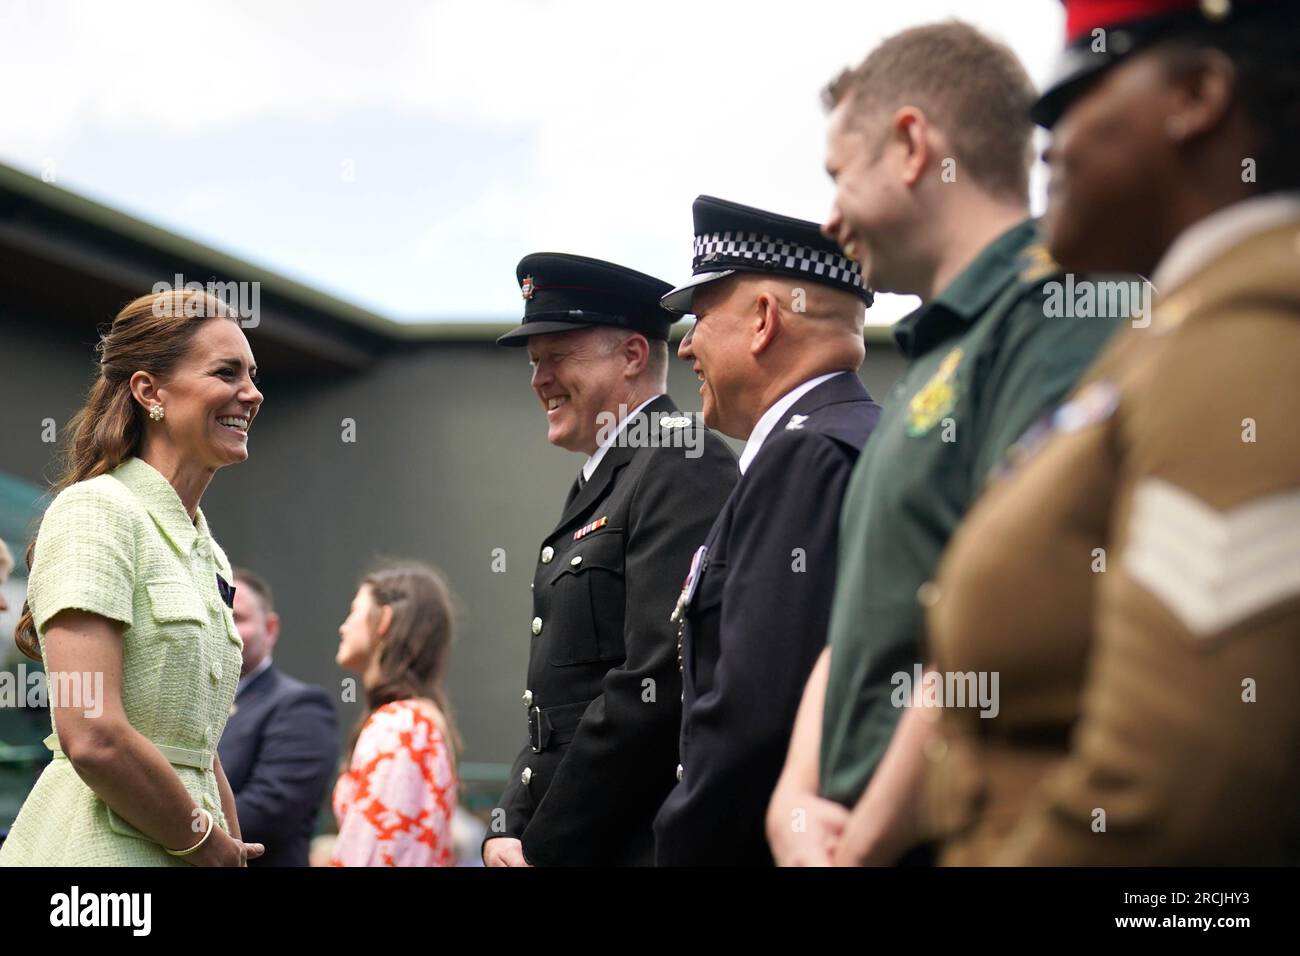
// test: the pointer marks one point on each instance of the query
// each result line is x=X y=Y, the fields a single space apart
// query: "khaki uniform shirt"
x=1136 y=585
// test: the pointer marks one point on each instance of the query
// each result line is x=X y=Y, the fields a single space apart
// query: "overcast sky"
x=404 y=156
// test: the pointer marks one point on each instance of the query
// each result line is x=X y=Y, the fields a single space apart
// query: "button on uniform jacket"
x=122 y=546
x=603 y=698
x=279 y=753
x=756 y=624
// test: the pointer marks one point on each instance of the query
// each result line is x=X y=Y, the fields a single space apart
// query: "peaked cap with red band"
x=1101 y=33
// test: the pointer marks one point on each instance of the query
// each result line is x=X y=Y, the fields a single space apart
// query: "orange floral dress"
x=394 y=805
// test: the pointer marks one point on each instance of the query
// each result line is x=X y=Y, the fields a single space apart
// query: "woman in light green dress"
x=128 y=602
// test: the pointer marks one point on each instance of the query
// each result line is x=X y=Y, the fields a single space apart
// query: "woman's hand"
x=221 y=849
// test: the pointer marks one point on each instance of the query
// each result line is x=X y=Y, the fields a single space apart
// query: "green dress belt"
x=177 y=756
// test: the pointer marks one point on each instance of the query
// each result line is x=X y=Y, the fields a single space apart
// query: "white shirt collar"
x=593 y=462
x=774 y=414
x=1203 y=241
x=248 y=678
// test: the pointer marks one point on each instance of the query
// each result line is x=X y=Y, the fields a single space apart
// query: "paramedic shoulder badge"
x=936 y=398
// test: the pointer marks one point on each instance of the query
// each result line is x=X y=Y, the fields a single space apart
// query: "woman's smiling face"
x=211 y=399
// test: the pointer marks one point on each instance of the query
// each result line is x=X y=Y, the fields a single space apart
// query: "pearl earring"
x=156 y=412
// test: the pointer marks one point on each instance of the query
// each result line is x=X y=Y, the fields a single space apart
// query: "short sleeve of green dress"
x=85 y=556
x=122 y=546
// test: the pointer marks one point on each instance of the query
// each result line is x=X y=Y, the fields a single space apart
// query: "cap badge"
x=528 y=287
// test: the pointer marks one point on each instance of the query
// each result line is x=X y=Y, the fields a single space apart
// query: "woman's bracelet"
x=206 y=834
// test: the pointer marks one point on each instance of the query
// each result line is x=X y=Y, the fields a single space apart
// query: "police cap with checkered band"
x=731 y=238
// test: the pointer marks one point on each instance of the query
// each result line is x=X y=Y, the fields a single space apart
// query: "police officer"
x=777 y=342
x=603 y=693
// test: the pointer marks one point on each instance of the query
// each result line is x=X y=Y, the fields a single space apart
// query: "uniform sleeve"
x=1037 y=364
x=1185 y=749
x=625 y=748
x=779 y=581
x=85 y=557
x=292 y=768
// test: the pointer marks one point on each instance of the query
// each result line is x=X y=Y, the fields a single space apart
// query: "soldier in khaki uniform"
x=1135 y=580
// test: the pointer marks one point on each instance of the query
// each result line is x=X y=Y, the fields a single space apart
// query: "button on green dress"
x=122 y=546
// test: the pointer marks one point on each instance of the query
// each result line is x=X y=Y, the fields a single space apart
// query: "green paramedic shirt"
x=985 y=364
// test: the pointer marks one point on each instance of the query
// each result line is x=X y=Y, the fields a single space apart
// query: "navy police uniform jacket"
x=603 y=697
x=755 y=624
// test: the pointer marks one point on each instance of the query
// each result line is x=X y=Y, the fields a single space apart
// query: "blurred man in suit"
x=777 y=343
x=280 y=745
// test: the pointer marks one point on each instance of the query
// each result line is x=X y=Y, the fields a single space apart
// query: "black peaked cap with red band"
x=1100 y=33
x=563 y=292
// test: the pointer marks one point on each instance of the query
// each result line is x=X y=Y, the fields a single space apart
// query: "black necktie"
x=574 y=489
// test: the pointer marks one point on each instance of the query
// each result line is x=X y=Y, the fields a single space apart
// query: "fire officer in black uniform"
x=603 y=692
x=778 y=342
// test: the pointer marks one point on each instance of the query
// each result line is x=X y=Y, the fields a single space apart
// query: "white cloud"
x=634 y=109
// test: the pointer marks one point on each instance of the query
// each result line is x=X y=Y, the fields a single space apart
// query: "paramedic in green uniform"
x=932 y=199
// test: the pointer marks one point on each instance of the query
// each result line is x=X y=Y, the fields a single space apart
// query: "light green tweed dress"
x=122 y=546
